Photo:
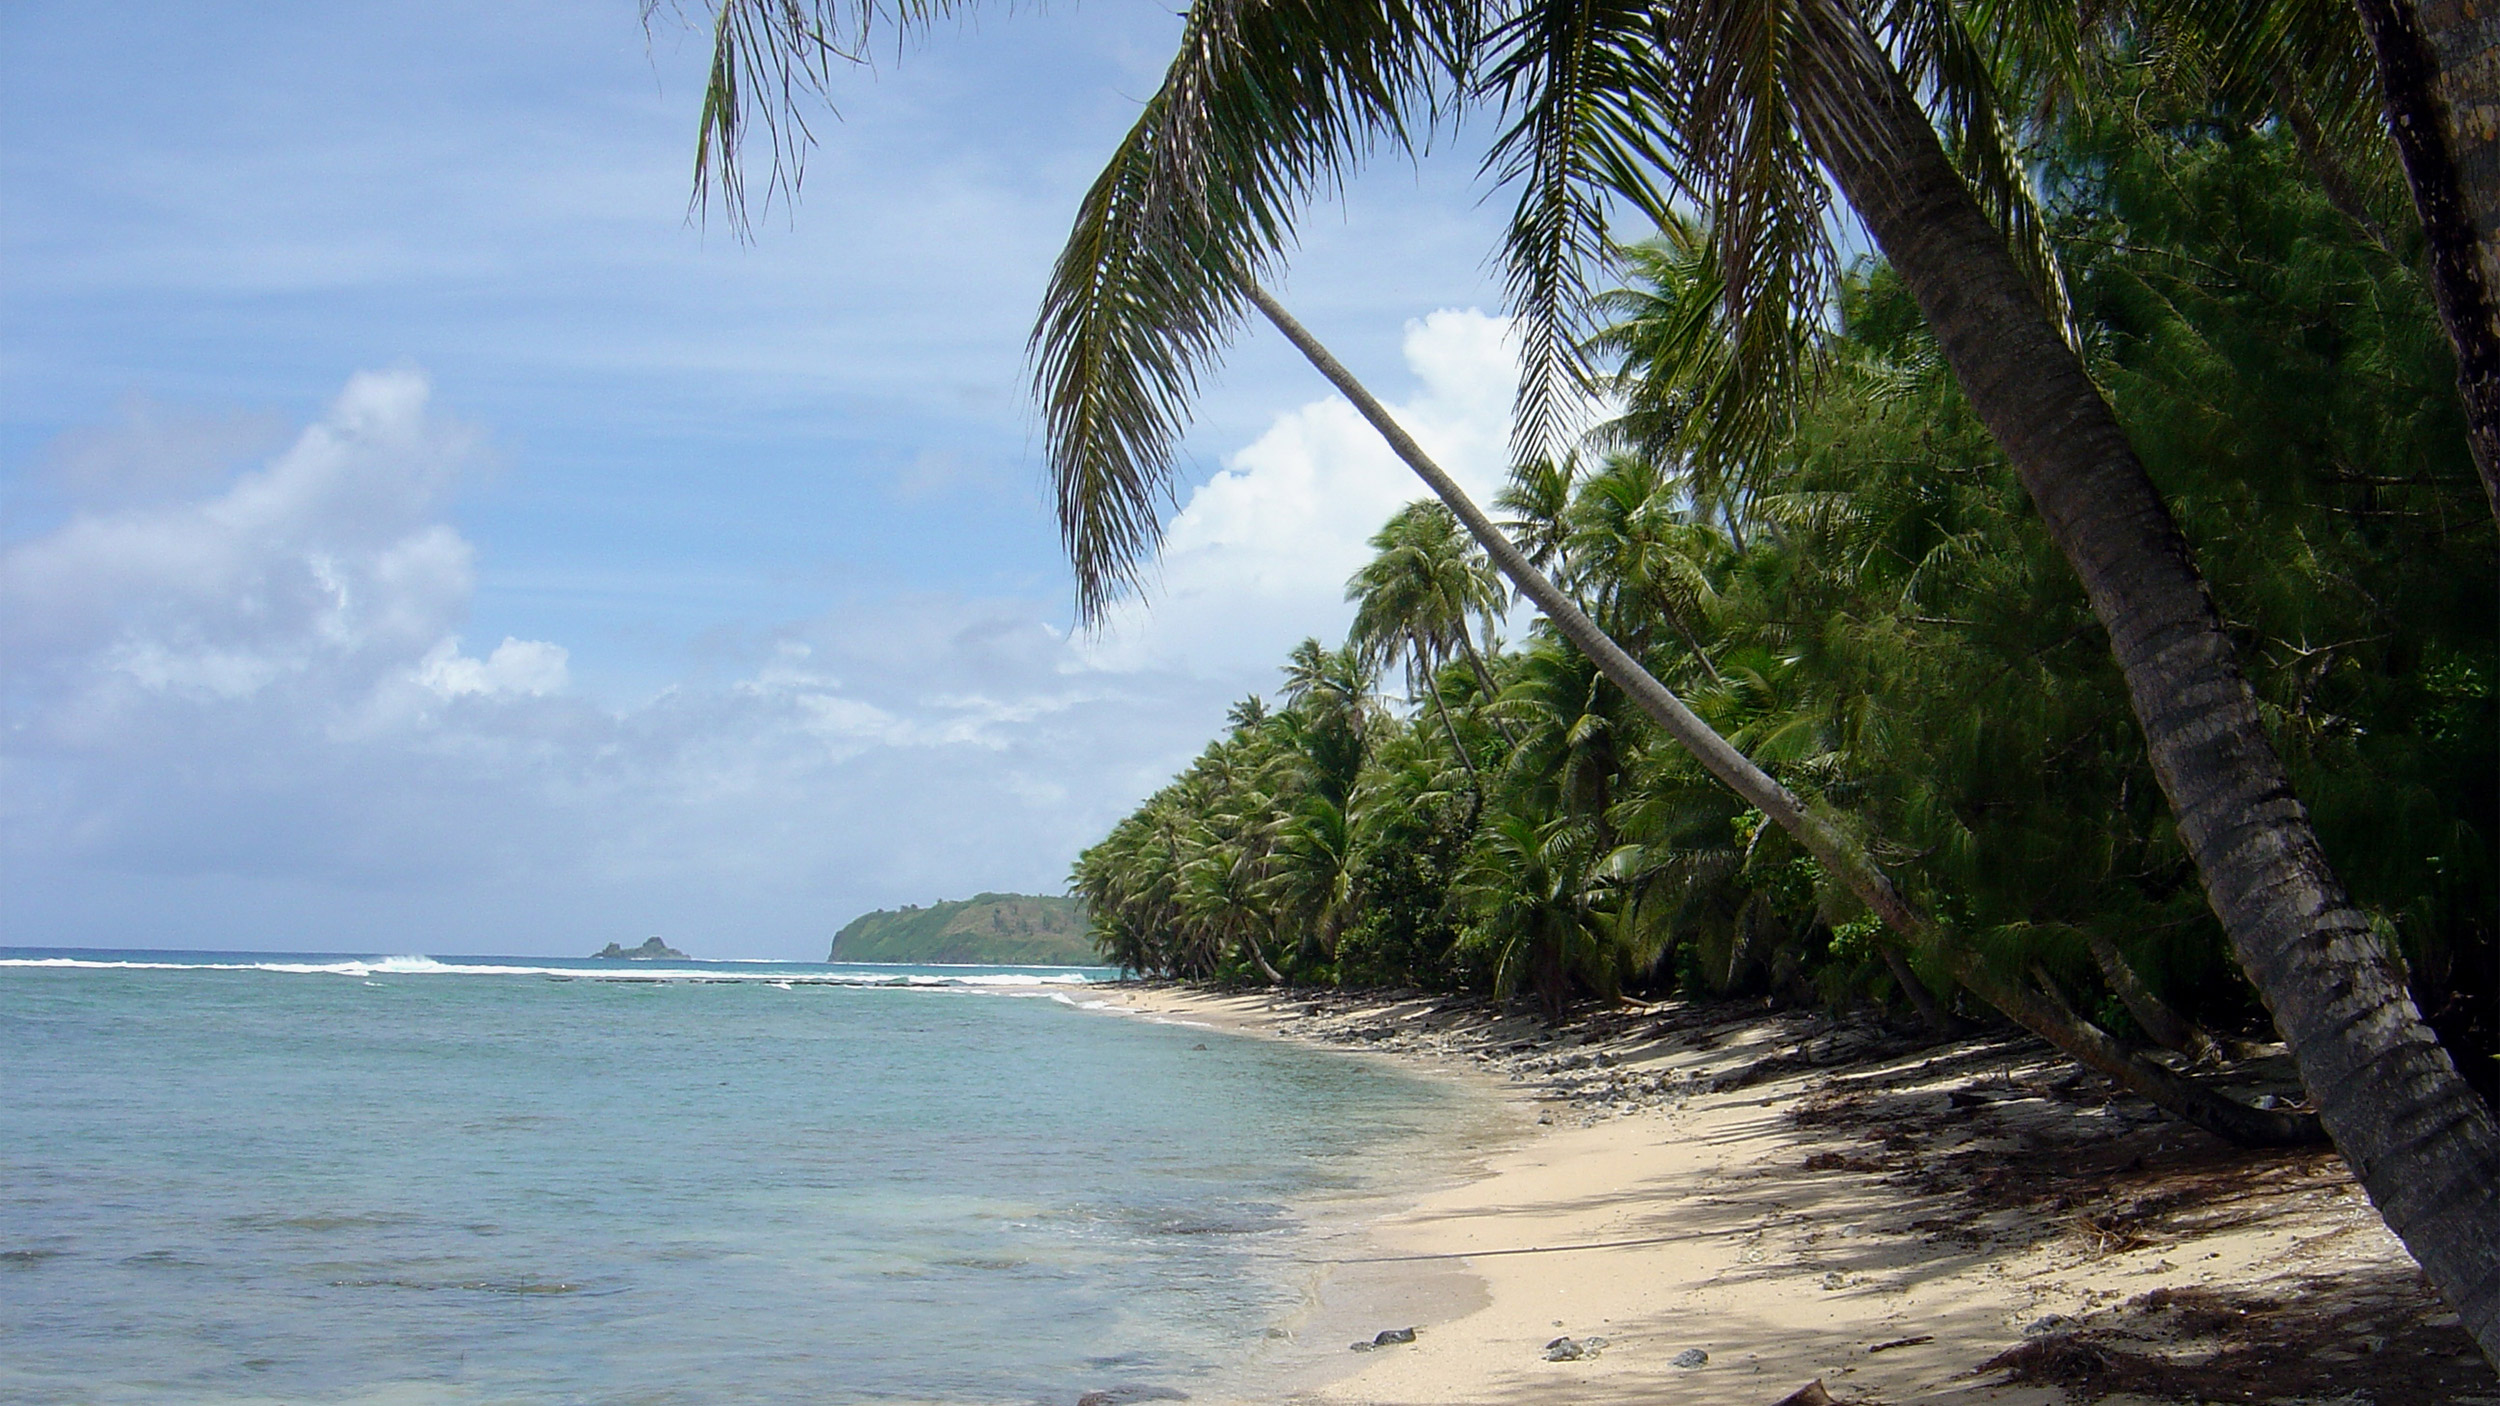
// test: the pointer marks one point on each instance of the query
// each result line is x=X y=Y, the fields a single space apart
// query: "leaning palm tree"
x=1747 y=109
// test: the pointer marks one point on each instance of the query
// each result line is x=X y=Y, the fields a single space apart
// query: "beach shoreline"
x=1724 y=1205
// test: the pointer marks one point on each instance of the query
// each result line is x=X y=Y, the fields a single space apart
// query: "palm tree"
x=1687 y=398
x=1746 y=109
x=1537 y=498
x=1418 y=600
x=1631 y=532
x=1570 y=751
x=1219 y=892
x=1534 y=883
x=1310 y=871
x=1327 y=723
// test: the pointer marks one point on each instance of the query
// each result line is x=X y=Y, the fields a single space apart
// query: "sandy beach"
x=1724 y=1206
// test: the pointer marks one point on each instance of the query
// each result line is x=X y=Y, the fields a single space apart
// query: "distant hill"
x=1004 y=929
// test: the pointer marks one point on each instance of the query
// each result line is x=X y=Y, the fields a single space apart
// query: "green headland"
x=1005 y=929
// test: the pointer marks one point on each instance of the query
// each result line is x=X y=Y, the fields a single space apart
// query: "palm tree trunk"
x=2441 y=92
x=1931 y=1012
x=1691 y=641
x=1433 y=686
x=1484 y=680
x=2421 y=1141
x=1840 y=855
x=2166 y=1027
x=1250 y=940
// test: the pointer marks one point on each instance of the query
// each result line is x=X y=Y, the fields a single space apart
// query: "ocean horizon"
x=357 y=1177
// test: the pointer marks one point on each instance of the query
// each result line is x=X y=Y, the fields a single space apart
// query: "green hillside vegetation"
x=1003 y=929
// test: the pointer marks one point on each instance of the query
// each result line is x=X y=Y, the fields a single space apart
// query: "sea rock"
x=1386 y=1336
x=1811 y=1394
x=652 y=950
x=1690 y=1357
x=1573 y=1349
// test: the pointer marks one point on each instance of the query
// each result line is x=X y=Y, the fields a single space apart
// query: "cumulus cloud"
x=1258 y=558
x=327 y=557
x=241 y=713
x=517 y=666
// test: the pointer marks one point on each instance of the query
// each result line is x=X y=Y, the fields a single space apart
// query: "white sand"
x=1696 y=1223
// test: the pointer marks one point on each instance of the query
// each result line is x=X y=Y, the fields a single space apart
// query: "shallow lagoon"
x=250 y=1178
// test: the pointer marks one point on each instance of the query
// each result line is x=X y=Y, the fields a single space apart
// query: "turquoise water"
x=238 y=1177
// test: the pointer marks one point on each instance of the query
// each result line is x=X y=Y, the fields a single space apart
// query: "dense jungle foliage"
x=1868 y=606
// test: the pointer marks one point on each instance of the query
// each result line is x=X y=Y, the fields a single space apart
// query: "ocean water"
x=232 y=1178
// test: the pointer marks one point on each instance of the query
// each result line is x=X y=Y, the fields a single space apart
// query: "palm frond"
x=768 y=56
x=1573 y=77
x=1267 y=105
x=1934 y=47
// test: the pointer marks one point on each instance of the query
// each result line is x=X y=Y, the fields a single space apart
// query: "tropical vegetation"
x=2018 y=584
x=1881 y=622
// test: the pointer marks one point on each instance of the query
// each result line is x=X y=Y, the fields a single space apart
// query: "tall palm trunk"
x=1250 y=944
x=1441 y=706
x=2422 y=1142
x=1841 y=856
x=2441 y=91
x=1484 y=680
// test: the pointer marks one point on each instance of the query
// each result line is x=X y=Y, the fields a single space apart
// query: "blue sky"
x=417 y=534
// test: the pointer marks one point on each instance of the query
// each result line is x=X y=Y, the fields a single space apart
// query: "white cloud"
x=533 y=667
x=327 y=551
x=247 y=719
x=1257 y=559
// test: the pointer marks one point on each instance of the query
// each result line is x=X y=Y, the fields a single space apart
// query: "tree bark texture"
x=1839 y=855
x=2439 y=78
x=2423 y=1144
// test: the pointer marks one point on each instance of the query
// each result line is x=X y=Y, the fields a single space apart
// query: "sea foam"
x=775 y=974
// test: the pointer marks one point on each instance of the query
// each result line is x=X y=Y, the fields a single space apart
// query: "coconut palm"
x=1633 y=533
x=1686 y=400
x=1419 y=599
x=1534 y=882
x=1537 y=497
x=1746 y=109
x=1310 y=872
